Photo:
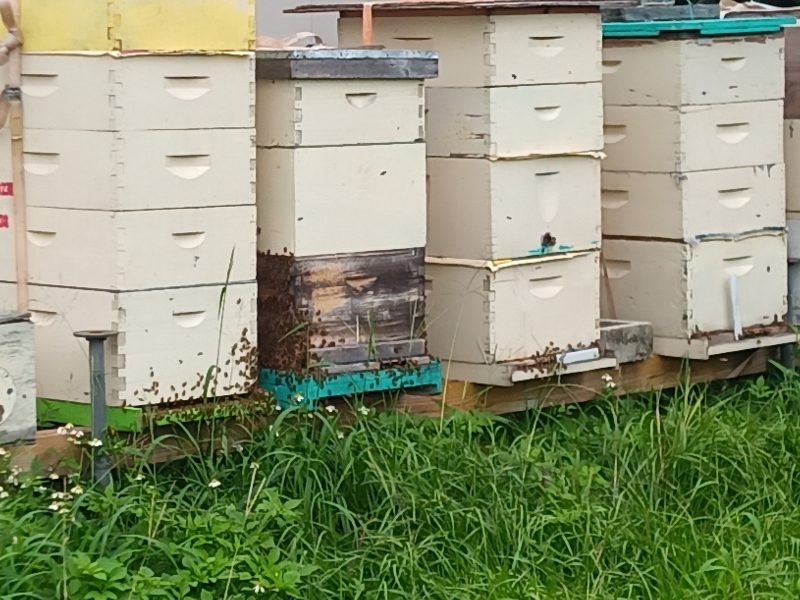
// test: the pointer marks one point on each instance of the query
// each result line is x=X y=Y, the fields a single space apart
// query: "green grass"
x=686 y=495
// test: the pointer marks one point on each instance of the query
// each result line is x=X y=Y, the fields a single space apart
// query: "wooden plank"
x=654 y=373
x=52 y=451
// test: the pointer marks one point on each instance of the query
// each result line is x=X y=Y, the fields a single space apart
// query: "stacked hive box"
x=791 y=144
x=140 y=176
x=341 y=207
x=514 y=126
x=693 y=187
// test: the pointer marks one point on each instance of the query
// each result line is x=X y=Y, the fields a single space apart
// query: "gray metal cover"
x=344 y=63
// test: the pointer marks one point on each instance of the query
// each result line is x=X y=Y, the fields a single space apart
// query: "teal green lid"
x=699 y=26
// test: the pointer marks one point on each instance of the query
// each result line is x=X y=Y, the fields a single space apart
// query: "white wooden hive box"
x=135 y=170
x=334 y=200
x=685 y=290
x=134 y=250
x=664 y=139
x=495 y=50
x=168 y=341
x=322 y=112
x=488 y=210
x=694 y=205
x=515 y=121
x=791 y=146
x=521 y=310
x=702 y=70
x=17 y=378
x=113 y=92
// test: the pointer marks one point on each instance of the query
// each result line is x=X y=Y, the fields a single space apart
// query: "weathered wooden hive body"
x=694 y=186
x=140 y=177
x=341 y=207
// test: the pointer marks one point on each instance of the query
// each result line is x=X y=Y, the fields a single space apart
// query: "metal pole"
x=97 y=367
x=787 y=356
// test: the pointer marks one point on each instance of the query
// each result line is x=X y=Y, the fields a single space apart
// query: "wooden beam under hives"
x=655 y=373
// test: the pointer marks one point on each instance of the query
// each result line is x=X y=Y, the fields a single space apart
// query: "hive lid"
x=703 y=27
x=456 y=6
x=12 y=316
x=346 y=63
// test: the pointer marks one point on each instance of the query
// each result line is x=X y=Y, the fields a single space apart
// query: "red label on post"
x=6 y=188
x=3 y=221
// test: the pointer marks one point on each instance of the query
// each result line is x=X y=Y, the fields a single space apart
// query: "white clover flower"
x=95 y=443
x=41 y=489
x=3 y=452
x=298 y=398
x=3 y=495
x=61 y=496
x=53 y=476
x=254 y=465
x=63 y=511
x=61 y=431
x=606 y=377
x=55 y=506
x=79 y=434
x=258 y=588
x=330 y=408
x=237 y=447
x=364 y=410
x=214 y=483
x=15 y=471
x=77 y=490
x=340 y=435
x=12 y=480
x=278 y=407
x=139 y=477
x=15 y=540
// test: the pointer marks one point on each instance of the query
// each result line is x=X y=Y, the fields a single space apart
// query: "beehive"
x=136 y=91
x=694 y=205
x=663 y=139
x=692 y=290
x=141 y=220
x=341 y=207
x=168 y=340
x=693 y=71
x=486 y=313
x=694 y=187
x=490 y=210
x=514 y=122
x=17 y=378
x=134 y=250
x=492 y=50
x=167 y=25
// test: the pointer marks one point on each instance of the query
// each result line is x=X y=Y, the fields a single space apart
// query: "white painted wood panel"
x=685 y=289
x=334 y=200
x=791 y=147
x=136 y=170
x=515 y=121
x=134 y=250
x=479 y=316
x=168 y=338
x=703 y=70
x=694 y=138
x=111 y=92
x=693 y=205
x=294 y=113
x=495 y=50
x=17 y=380
x=489 y=210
